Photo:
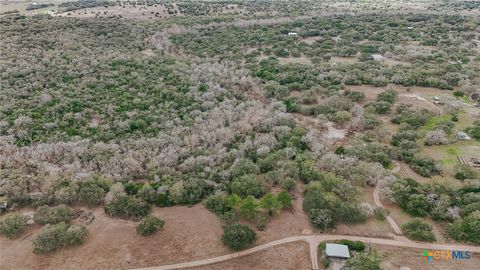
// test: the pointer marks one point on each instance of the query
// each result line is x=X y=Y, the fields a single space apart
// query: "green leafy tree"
x=382 y=107
x=52 y=237
x=247 y=185
x=52 y=215
x=308 y=171
x=417 y=205
x=127 y=207
x=149 y=225
x=12 y=224
x=387 y=96
x=466 y=229
x=271 y=204
x=249 y=207
x=418 y=229
x=322 y=218
x=284 y=199
x=238 y=236
x=91 y=193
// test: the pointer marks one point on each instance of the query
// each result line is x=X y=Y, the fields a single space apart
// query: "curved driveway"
x=313 y=241
x=378 y=203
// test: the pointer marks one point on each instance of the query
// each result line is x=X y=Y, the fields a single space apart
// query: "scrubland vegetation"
x=131 y=114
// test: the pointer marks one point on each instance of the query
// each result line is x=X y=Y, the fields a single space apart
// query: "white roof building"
x=292 y=34
x=378 y=57
x=337 y=251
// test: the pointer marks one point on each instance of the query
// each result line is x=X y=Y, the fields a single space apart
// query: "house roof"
x=337 y=250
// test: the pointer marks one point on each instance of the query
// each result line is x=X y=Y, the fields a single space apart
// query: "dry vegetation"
x=207 y=113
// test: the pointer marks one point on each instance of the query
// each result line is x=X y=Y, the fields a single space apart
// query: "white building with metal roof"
x=337 y=251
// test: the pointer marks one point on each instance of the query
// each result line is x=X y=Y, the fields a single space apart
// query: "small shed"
x=292 y=34
x=378 y=57
x=463 y=136
x=337 y=251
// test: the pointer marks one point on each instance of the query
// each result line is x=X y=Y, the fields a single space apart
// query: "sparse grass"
x=295 y=60
x=448 y=155
x=465 y=120
x=433 y=122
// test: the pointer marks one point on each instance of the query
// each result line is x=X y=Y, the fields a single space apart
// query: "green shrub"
x=75 y=235
x=127 y=207
x=244 y=167
x=387 y=96
x=417 y=205
x=217 y=204
x=52 y=237
x=355 y=96
x=284 y=199
x=458 y=93
x=474 y=131
x=287 y=183
x=363 y=262
x=326 y=262
x=249 y=207
x=91 y=193
x=465 y=171
x=308 y=171
x=163 y=200
x=418 y=229
x=382 y=107
x=353 y=245
x=466 y=229
x=149 y=225
x=53 y=215
x=247 y=185
x=271 y=204
x=147 y=193
x=380 y=213
x=12 y=224
x=341 y=117
x=322 y=218
x=132 y=188
x=238 y=236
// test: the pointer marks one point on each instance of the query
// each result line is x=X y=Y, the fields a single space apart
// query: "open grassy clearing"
x=448 y=155
x=295 y=60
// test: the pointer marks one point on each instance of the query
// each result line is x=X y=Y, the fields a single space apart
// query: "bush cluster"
x=149 y=225
x=52 y=237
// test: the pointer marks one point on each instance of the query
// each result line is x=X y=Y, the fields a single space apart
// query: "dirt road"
x=378 y=203
x=313 y=241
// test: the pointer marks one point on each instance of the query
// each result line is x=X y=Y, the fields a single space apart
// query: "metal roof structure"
x=337 y=250
x=378 y=57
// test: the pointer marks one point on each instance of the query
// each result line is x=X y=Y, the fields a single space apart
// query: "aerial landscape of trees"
x=243 y=114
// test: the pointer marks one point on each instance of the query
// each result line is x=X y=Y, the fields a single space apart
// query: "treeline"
x=458 y=206
x=39 y=6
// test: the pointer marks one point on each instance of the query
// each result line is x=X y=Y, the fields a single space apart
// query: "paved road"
x=313 y=241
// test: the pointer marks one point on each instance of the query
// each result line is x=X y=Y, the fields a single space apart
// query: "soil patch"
x=396 y=257
x=190 y=233
x=288 y=256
